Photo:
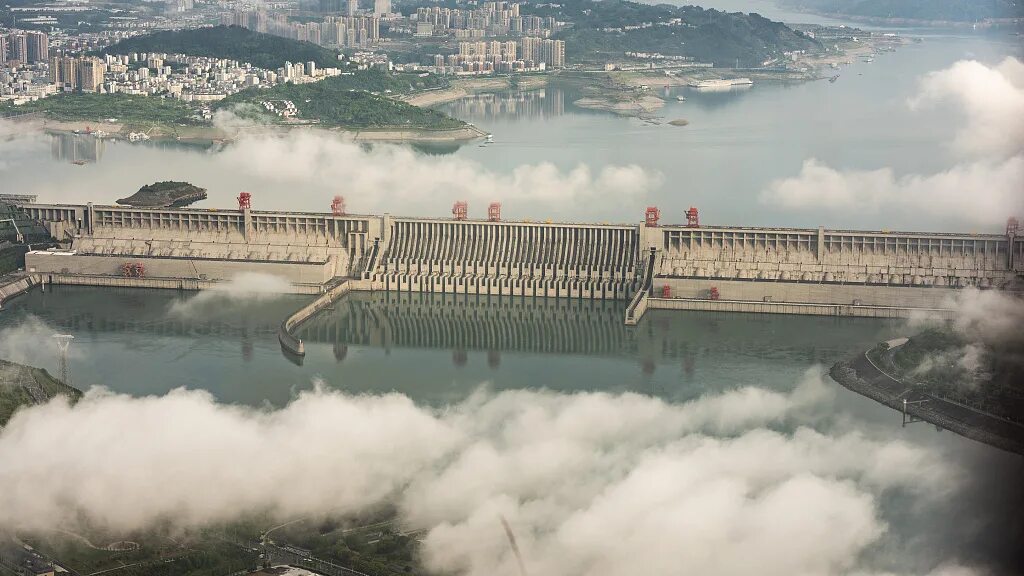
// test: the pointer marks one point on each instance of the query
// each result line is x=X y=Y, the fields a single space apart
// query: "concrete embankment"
x=800 y=308
x=862 y=376
x=286 y=333
x=15 y=284
x=157 y=283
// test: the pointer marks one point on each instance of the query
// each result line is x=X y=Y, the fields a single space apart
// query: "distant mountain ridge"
x=232 y=42
x=920 y=10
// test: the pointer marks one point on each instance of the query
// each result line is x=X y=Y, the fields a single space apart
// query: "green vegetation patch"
x=125 y=108
x=232 y=42
x=165 y=194
x=22 y=385
x=941 y=362
x=376 y=549
x=705 y=35
x=334 y=102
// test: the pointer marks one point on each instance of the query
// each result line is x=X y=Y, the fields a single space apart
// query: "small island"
x=167 y=194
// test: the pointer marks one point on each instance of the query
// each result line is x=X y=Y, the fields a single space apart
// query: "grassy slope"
x=233 y=42
x=707 y=36
x=127 y=109
x=14 y=380
x=335 y=102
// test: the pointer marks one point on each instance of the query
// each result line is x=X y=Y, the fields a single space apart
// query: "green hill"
x=334 y=102
x=601 y=30
x=233 y=42
x=22 y=385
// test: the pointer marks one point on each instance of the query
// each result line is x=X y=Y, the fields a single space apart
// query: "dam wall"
x=159 y=267
x=838 y=256
x=632 y=263
x=507 y=259
x=145 y=235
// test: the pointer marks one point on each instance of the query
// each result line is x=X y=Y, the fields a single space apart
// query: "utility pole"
x=63 y=342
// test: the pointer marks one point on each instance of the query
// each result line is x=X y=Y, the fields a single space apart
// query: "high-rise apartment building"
x=3 y=49
x=18 y=46
x=38 y=48
x=64 y=72
x=90 y=74
x=381 y=7
x=553 y=53
x=353 y=7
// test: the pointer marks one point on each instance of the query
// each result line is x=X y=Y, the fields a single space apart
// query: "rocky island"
x=167 y=194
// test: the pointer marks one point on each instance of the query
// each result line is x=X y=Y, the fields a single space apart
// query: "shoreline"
x=215 y=135
x=860 y=375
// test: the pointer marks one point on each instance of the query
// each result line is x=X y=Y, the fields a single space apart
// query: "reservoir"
x=440 y=350
x=736 y=144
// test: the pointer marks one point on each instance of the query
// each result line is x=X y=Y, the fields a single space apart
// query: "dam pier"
x=686 y=266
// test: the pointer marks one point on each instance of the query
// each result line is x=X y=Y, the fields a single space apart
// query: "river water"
x=736 y=145
x=439 y=350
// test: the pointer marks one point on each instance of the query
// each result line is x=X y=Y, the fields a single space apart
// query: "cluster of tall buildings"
x=508 y=56
x=351 y=7
x=490 y=19
x=334 y=31
x=84 y=73
x=24 y=47
x=178 y=6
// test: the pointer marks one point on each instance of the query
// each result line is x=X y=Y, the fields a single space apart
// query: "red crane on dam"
x=692 y=218
x=460 y=209
x=494 y=212
x=338 y=206
x=244 y=201
x=652 y=217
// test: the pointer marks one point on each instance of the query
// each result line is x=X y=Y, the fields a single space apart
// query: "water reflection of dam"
x=83 y=310
x=77 y=148
x=459 y=322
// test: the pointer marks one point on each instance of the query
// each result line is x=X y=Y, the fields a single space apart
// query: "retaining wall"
x=14 y=285
x=757 y=307
x=174 y=268
x=285 y=334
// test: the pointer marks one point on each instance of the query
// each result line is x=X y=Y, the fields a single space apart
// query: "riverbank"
x=862 y=376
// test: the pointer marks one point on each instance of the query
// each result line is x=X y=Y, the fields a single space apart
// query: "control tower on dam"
x=690 y=266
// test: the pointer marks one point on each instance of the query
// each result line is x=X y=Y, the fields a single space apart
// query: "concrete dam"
x=647 y=265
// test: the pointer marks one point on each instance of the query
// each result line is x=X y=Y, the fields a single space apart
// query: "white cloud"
x=378 y=176
x=242 y=290
x=983 y=192
x=985 y=189
x=590 y=482
x=991 y=99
